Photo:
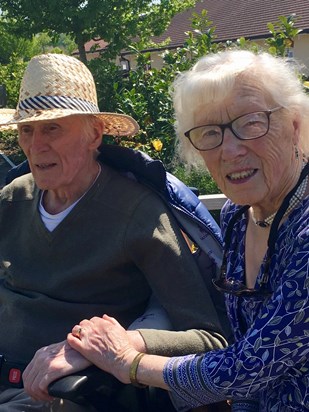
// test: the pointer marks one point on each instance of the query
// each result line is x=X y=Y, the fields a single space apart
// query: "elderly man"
x=80 y=239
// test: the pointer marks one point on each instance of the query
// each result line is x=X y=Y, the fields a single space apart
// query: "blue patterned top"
x=269 y=360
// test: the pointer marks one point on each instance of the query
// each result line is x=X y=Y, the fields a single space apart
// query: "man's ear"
x=98 y=129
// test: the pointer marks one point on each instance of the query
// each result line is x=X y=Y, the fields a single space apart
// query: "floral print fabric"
x=269 y=361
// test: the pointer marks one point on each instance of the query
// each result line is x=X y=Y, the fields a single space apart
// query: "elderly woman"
x=247 y=117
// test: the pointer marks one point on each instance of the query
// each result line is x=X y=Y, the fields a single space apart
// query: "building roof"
x=238 y=18
x=233 y=19
x=95 y=44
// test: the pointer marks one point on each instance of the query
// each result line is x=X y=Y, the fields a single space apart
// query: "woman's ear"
x=296 y=129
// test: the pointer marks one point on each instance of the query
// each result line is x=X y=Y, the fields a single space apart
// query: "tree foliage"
x=115 y=21
x=283 y=33
x=16 y=47
x=144 y=93
x=10 y=76
x=12 y=45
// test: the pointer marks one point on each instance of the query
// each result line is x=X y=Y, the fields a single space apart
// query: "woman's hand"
x=105 y=343
x=48 y=364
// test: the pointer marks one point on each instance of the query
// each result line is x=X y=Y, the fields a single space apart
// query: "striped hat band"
x=57 y=102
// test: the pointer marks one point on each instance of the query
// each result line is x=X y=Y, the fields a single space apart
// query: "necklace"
x=295 y=199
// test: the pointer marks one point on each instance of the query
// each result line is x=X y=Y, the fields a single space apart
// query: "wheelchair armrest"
x=78 y=386
x=93 y=388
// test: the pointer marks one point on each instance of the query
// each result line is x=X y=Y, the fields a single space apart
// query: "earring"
x=296 y=152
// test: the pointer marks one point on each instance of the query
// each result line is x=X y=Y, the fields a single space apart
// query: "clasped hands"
x=99 y=341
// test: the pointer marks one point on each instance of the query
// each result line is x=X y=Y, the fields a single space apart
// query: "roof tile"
x=232 y=19
x=238 y=18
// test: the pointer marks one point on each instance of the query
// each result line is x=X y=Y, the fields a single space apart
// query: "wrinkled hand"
x=48 y=364
x=105 y=343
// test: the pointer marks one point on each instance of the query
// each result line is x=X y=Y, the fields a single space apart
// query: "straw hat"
x=5 y=116
x=55 y=86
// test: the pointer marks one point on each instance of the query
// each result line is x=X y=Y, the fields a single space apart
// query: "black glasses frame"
x=229 y=125
x=229 y=285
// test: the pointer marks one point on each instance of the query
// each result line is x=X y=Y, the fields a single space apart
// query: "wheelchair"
x=93 y=388
x=98 y=391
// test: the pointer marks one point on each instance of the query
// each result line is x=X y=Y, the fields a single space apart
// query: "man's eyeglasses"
x=246 y=127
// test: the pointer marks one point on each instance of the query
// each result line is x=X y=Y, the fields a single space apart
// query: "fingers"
x=110 y=319
x=77 y=331
x=81 y=330
x=76 y=339
x=85 y=326
x=74 y=342
x=48 y=364
x=36 y=383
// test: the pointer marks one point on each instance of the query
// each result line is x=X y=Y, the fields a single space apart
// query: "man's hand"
x=48 y=364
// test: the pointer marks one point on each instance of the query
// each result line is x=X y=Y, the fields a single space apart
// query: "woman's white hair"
x=212 y=79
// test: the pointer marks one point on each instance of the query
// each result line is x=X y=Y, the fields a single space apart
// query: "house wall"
x=301 y=54
x=301 y=50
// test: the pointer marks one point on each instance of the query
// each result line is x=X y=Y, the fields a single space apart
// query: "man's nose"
x=38 y=141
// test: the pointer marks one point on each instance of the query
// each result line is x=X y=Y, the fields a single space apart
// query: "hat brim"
x=115 y=124
x=5 y=118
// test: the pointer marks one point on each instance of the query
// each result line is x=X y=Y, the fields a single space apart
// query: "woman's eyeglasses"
x=249 y=126
x=235 y=287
